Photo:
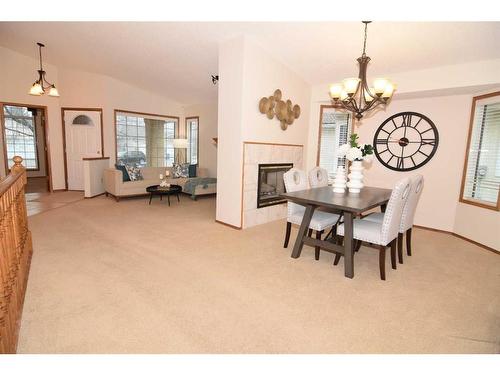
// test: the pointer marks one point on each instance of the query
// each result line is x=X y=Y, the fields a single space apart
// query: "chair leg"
x=337 y=259
x=317 y=248
x=393 y=254
x=287 y=234
x=358 y=245
x=309 y=232
x=400 y=248
x=381 y=262
x=408 y=242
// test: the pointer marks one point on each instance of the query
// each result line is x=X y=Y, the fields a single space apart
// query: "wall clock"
x=406 y=141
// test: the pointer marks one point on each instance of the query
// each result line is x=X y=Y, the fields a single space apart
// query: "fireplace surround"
x=270 y=183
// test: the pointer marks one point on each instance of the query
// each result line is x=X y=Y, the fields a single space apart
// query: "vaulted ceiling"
x=176 y=59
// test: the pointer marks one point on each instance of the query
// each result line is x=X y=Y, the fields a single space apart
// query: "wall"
x=207 y=113
x=248 y=72
x=93 y=172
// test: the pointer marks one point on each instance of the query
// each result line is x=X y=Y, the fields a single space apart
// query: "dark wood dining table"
x=350 y=205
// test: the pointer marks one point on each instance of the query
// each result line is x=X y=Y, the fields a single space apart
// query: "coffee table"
x=161 y=191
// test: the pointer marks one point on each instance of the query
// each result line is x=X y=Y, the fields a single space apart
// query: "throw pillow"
x=176 y=170
x=192 y=170
x=134 y=173
x=185 y=170
x=180 y=170
x=122 y=168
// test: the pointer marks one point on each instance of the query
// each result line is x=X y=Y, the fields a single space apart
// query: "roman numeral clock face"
x=406 y=141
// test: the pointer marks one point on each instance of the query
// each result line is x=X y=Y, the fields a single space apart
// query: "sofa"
x=194 y=186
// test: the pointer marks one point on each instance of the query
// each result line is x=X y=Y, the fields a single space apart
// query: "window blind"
x=482 y=178
x=335 y=131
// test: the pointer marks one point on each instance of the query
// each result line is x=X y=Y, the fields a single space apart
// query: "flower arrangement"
x=354 y=151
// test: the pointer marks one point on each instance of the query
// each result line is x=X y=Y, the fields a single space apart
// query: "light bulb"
x=389 y=90
x=335 y=90
x=36 y=89
x=379 y=85
x=53 y=91
x=344 y=96
x=351 y=85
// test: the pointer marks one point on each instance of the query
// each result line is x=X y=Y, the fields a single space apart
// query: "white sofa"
x=114 y=185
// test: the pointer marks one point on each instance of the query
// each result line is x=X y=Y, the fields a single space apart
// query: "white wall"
x=247 y=74
x=207 y=113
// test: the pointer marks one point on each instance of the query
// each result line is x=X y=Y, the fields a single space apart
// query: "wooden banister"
x=15 y=254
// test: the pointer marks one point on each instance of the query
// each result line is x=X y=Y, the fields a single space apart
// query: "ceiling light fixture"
x=41 y=84
x=354 y=94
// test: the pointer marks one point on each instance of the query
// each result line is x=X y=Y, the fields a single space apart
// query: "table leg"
x=178 y=200
x=306 y=220
x=348 y=253
x=150 y=197
x=168 y=197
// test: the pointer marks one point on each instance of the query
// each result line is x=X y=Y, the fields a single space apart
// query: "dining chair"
x=382 y=234
x=416 y=187
x=296 y=180
x=318 y=177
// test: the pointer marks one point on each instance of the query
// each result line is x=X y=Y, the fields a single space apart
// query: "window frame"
x=475 y=202
x=188 y=133
x=321 y=110
x=4 y=136
x=143 y=114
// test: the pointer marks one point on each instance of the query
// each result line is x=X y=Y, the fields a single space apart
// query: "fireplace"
x=270 y=184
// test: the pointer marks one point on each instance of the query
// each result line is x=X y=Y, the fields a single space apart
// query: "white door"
x=83 y=140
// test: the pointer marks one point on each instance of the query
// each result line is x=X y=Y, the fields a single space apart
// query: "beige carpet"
x=126 y=277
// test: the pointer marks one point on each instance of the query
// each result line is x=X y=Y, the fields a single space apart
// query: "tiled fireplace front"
x=256 y=154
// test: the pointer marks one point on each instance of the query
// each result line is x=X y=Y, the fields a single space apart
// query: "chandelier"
x=41 y=84
x=354 y=94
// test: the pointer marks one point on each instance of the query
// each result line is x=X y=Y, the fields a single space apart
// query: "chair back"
x=394 y=210
x=416 y=187
x=295 y=180
x=318 y=177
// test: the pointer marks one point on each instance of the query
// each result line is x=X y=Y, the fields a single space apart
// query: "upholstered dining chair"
x=296 y=180
x=382 y=234
x=318 y=177
x=416 y=187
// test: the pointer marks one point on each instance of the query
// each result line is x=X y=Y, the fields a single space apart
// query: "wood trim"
x=198 y=138
x=461 y=198
x=228 y=225
x=459 y=236
x=45 y=124
x=94 y=196
x=243 y=168
x=115 y=111
x=102 y=158
x=322 y=107
x=64 y=136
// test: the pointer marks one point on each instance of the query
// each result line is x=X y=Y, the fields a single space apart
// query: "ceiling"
x=176 y=59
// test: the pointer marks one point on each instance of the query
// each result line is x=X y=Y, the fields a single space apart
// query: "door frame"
x=64 y=136
x=45 y=124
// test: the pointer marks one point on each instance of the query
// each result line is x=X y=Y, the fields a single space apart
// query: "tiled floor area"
x=40 y=202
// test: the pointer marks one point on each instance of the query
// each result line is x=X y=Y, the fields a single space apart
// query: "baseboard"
x=94 y=196
x=228 y=225
x=459 y=236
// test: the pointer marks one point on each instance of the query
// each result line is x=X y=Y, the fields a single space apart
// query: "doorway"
x=24 y=133
x=82 y=138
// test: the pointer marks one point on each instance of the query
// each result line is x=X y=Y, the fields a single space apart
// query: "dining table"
x=348 y=204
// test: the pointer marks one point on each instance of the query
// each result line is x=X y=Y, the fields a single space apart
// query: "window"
x=20 y=135
x=193 y=141
x=145 y=140
x=335 y=130
x=481 y=177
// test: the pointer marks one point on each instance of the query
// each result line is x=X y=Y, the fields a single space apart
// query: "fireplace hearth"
x=270 y=184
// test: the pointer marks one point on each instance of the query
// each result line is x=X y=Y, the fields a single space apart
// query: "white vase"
x=339 y=182
x=355 y=183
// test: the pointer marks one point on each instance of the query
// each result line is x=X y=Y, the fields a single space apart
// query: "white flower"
x=354 y=153
x=342 y=150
